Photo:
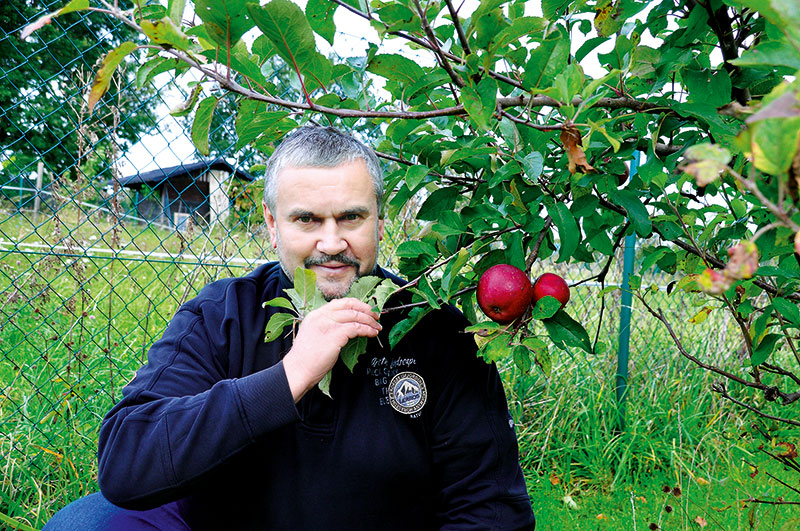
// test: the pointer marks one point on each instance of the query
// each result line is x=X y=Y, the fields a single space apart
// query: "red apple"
x=552 y=285
x=504 y=293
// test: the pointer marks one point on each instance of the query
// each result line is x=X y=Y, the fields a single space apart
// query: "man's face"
x=326 y=220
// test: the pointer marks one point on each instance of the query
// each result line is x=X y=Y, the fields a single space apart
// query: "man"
x=220 y=430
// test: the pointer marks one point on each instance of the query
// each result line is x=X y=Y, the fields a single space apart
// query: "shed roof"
x=160 y=175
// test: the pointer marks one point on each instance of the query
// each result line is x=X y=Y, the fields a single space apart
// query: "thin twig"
x=712 y=368
x=443 y=62
x=720 y=389
x=535 y=251
x=462 y=38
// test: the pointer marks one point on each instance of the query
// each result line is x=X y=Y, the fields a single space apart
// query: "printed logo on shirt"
x=407 y=393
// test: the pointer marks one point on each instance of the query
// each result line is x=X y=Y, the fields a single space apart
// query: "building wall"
x=219 y=202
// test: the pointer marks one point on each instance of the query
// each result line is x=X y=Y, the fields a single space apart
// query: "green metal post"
x=625 y=314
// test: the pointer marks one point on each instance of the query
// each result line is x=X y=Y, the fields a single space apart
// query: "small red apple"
x=552 y=285
x=504 y=293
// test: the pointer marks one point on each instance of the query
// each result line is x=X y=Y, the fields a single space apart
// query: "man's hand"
x=321 y=336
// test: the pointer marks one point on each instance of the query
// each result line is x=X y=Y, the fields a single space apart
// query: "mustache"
x=324 y=259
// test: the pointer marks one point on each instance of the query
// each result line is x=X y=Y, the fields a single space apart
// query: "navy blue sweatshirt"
x=209 y=423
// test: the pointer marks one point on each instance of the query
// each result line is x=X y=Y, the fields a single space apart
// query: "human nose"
x=331 y=241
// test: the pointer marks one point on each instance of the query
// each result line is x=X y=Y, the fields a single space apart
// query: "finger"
x=352 y=304
x=346 y=316
x=360 y=330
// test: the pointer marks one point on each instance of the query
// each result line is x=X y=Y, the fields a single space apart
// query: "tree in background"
x=42 y=84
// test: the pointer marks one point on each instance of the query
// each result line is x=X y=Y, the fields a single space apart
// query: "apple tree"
x=514 y=126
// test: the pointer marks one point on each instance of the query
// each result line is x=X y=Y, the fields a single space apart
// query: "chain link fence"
x=109 y=222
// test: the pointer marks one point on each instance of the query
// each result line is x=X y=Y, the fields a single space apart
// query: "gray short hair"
x=319 y=147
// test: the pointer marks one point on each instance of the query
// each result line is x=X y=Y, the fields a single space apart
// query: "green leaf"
x=202 y=124
x=496 y=349
x=415 y=175
x=103 y=77
x=453 y=268
x=774 y=144
x=520 y=27
x=279 y=302
x=770 y=53
x=568 y=232
x=325 y=384
x=522 y=358
x=545 y=308
x=352 y=350
x=533 y=165
x=480 y=101
x=396 y=67
x=403 y=327
x=382 y=293
x=546 y=62
x=788 y=310
x=305 y=284
x=362 y=287
x=552 y=8
x=708 y=86
x=320 y=17
x=564 y=330
x=185 y=108
x=284 y=23
x=637 y=213
x=165 y=32
x=275 y=326
x=426 y=291
x=415 y=248
x=586 y=48
x=176 y=9
x=441 y=200
x=541 y=354
x=225 y=20
x=766 y=347
x=253 y=120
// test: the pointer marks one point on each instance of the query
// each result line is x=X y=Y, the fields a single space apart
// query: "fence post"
x=625 y=313
x=37 y=199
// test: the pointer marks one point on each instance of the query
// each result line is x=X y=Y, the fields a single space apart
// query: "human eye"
x=304 y=220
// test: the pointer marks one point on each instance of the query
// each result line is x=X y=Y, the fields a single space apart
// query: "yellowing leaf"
x=74 y=5
x=702 y=481
x=701 y=316
x=165 y=32
x=103 y=77
x=706 y=162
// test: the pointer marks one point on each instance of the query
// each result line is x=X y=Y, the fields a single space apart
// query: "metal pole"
x=625 y=313
x=37 y=200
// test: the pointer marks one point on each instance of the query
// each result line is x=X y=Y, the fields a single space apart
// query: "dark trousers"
x=95 y=513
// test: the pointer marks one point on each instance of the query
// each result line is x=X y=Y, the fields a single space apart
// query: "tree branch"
x=443 y=62
x=462 y=38
x=755 y=385
x=535 y=251
x=720 y=388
